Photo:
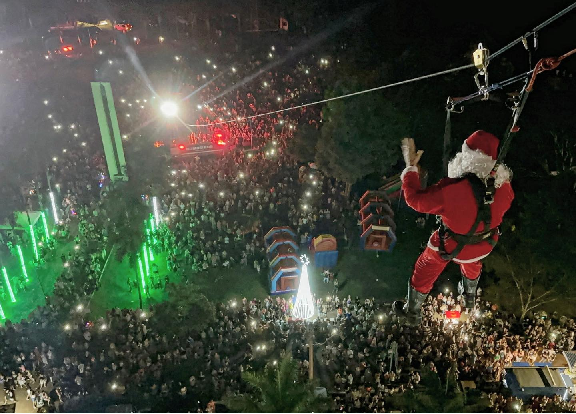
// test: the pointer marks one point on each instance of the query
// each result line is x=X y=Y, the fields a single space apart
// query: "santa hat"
x=484 y=142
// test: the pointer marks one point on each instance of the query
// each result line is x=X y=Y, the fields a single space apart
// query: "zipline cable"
x=536 y=29
x=390 y=85
x=499 y=52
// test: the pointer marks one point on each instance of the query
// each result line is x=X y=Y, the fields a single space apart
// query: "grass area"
x=115 y=293
x=360 y=273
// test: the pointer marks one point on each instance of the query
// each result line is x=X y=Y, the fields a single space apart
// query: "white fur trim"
x=478 y=155
x=470 y=260
x=478 y=163
x=411 y=168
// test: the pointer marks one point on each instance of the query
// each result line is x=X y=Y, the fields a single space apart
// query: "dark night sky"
x=495 y=23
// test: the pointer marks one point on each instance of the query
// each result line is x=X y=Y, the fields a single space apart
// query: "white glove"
x=411 y=156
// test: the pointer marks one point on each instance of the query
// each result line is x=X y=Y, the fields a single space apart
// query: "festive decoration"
x=45 y=224
x=33 y=237
x=2 y=315
x=8 y=285
x=22 y=262
x=304 y=306
x=54 y=210
x=142 y=275
x=146 y=262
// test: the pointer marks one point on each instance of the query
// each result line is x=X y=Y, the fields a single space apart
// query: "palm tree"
x=433 y=396
x=278 y=390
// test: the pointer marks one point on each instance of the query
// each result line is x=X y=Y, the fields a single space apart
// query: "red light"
x=67 y=49
x=218 y=135
x=182 y=147
x=221 y=143
x=159 y=144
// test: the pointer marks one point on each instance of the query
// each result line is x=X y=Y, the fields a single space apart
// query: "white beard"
x=478 y=163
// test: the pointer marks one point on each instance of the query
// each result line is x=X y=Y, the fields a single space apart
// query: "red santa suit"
x=453 y=199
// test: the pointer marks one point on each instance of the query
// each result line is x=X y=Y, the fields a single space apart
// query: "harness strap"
x=483 y=215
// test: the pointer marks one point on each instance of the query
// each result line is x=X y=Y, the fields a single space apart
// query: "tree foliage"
x=303 y=146
x=432 y=395
x=127 y=213
x=278 y=390
x=360 y=136
x=187 y=311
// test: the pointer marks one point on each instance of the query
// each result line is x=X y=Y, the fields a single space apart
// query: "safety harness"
x=483 y=194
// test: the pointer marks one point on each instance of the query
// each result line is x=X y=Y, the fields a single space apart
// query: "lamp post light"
x=169 y=109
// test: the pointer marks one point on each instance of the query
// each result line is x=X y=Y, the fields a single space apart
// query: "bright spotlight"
x=169 y=109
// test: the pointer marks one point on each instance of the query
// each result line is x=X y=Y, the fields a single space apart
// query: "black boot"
x=470 y=287
x=410 y=312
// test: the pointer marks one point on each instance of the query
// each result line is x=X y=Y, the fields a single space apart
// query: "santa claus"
x=471 y=203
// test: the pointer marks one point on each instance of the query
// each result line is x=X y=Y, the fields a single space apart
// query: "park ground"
x=366 y=274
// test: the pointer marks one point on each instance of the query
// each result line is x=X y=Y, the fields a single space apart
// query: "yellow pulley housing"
x=481 y=57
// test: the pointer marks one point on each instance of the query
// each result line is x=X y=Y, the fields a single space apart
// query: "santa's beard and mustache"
x=478 y=163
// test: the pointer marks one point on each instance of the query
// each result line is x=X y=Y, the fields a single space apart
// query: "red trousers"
x=429 y=266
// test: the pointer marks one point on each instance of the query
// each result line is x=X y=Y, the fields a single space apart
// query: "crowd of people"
x=216 y=211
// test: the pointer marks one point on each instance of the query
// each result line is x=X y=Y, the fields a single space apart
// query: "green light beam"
x=45 y=226
x=34 y=241
x=2 y=313
x=5 y=273
x=22 y=262
x=142 y=275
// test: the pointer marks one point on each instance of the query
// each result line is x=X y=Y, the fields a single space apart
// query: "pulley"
x=481 y=61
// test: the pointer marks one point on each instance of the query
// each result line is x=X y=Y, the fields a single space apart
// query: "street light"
x=169 y=109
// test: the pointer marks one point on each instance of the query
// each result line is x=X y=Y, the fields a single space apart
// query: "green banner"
x=108 y=122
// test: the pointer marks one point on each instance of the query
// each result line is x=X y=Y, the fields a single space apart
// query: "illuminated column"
x=146 y=263
x=33 y=236
x=45 y=225
x=8 y=285
x=304 y=305
x=142 y=275
x=22 y=262
x=54 y=209
x=2 y=313
x=156 y=210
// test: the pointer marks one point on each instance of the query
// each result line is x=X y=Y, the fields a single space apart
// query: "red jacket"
x=453 y=199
